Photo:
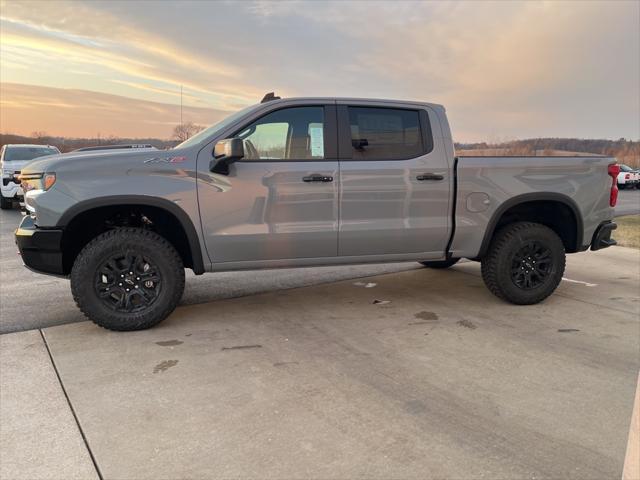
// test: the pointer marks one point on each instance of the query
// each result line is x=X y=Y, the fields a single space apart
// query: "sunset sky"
x=504 y=70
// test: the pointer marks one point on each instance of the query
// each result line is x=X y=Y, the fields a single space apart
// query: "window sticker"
x=317 y=140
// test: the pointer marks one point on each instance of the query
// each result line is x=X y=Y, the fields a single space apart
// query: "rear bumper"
x=40 y=248
x=602 y=236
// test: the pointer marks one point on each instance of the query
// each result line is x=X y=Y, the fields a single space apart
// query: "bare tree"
x=186 y=130
x=40 y=135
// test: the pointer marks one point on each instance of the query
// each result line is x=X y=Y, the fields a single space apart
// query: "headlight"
x=37 y=181
x=7 y=172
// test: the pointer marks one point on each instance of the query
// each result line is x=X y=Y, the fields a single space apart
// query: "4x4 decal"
x=180 y=159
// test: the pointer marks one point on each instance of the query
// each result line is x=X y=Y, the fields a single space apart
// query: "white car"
x=12 y=158
x=628 y=177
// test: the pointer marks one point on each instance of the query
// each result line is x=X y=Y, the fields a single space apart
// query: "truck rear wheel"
x=5 y=203
x=441 y=263
x=524 y=264
x=127 y=279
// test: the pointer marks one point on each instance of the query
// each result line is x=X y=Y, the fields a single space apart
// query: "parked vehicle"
x=12 y=158
x=307 y=182
x=628 y=177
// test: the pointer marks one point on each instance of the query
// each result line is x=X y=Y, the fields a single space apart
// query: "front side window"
x=385 y=133
x=295 y=133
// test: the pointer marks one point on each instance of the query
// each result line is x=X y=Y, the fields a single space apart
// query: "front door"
x=281 y=200
x=395 y=182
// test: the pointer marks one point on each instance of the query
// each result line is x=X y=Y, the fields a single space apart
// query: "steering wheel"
x=253 y=151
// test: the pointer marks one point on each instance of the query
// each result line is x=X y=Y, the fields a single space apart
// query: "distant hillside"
x=68 y=144
x=625 y=151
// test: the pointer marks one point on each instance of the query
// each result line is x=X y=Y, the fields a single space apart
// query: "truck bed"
x=486 y=187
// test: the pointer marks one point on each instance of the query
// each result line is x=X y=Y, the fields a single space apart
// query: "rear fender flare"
x=526 y=198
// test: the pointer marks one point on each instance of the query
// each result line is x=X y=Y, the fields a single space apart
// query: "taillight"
x=613 y=170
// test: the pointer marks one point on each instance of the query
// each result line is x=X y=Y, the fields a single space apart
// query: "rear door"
x=281 y=200
x=395 y=181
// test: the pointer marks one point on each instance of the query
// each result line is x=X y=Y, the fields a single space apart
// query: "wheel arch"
x=193 y=257
x=571 y=234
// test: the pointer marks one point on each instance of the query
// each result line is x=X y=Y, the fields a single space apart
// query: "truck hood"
x=75 y=160
x=15 y=165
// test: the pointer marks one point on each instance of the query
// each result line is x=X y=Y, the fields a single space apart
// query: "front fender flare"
x=169 y=206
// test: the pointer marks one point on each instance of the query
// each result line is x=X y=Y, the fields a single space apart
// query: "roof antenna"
x=268 y=97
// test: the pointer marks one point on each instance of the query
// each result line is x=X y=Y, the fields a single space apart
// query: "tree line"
x=625 y=151
x=67 y=144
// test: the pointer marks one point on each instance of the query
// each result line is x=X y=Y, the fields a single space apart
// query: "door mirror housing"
x=230 y=149
x=225 y=153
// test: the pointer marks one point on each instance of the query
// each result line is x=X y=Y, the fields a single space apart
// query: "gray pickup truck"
x=304 y=182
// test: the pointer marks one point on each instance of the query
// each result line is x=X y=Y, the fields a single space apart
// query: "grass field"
x=628 y=232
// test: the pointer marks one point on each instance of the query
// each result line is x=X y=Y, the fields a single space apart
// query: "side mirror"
x=225 y=153
x=230 y=149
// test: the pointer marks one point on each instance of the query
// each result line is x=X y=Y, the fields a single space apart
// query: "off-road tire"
x=441 y=263
x=5 y=203
x=138 y=241
x=498 y=263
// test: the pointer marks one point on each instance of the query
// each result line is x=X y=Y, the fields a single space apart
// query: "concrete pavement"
x=39 y=438
x=628 y=203
x=21 y=308
x=444 y=381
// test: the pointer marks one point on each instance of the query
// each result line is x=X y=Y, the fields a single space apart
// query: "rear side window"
x=295 y=133
x=385 y=133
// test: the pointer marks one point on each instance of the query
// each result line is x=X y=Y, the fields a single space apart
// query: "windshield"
x=213 y=129
x=624 y=168
x=27 y=153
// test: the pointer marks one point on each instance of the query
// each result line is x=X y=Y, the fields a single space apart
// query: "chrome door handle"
x=429 y=176
x=317 y=178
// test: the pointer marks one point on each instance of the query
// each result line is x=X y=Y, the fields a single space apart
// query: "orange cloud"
x=79 y=113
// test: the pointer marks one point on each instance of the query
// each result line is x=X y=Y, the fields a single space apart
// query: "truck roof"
x=353 y=99
x=29 y=145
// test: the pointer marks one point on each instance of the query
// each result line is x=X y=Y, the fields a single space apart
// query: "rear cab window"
x=383 y=133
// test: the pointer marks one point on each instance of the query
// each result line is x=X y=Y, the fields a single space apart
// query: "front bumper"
x=40 y=248
x=602 y=236
x=11 y=190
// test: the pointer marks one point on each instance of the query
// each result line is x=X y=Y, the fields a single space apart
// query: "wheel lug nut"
x=127 y=289
x=119 y=284
x=136 y=286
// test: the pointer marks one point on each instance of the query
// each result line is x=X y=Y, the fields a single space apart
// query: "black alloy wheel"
x=128 y=283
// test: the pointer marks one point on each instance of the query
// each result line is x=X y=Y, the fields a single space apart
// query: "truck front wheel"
x=524 y=264
x=127 y=279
